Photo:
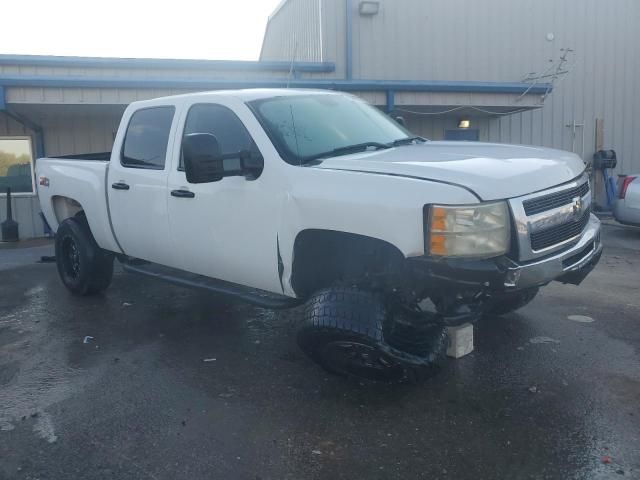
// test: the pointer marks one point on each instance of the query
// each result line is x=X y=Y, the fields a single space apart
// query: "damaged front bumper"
x=504 y=274
x=569 y=266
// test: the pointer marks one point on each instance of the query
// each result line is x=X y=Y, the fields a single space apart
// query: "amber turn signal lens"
x=437 y=245
x=438 y=219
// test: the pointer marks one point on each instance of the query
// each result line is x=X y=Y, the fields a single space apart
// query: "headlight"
x=480 y=230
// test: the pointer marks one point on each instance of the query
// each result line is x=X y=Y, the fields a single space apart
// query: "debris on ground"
x=87 y=339
x=606 y=459
x=316 y=452
x=126 y=304
x=207 y=360
x=533 y=389
x=580 y=318
x=47 y=259
x=541 y=340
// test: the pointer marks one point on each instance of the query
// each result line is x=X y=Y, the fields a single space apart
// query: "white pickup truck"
x=288 y=196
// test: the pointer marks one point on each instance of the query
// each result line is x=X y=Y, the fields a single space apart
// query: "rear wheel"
x=344 y=331
x=84 y=268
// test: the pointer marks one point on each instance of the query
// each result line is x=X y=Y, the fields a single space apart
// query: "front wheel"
x=345 y=331
x=84 y=268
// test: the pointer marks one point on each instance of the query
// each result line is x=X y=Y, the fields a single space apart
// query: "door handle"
x=182 y=194
x=120 y=186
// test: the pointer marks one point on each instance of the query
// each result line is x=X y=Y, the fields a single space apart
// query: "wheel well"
x=65 y=207
x=322 y=258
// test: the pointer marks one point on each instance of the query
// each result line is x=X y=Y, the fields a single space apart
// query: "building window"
x=16 y=165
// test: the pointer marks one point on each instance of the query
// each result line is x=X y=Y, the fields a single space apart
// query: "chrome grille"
x=549 y=221
x=554 y=200
x=558 y=234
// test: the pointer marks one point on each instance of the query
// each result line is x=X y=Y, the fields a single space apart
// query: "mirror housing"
x=202 y=158
x=205 y=163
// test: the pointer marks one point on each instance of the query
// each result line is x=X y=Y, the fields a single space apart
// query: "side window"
x=147 y=137
x=228 y=129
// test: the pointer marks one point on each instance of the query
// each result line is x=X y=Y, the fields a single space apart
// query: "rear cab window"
x=147 y=137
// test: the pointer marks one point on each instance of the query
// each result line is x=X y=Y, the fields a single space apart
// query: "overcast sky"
x=213 y=29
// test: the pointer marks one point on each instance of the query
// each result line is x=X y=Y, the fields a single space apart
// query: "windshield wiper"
x=358 y=147
x=406 y=141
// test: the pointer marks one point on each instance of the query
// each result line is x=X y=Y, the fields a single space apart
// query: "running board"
x=256 y=297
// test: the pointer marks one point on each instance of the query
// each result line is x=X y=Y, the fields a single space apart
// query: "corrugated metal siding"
x=503 y=40
x=294 y=31
x=601 y=84
x=132 y=72
x=79 y=134
x=334 y=33
x=86 y=96
x=25 y=212
x=456 y=39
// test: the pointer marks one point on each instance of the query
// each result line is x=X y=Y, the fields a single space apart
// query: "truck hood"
x=491 y=171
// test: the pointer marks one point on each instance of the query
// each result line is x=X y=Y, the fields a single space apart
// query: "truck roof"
x=246 y=95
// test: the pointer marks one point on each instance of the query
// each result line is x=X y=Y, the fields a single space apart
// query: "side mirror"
x=204 y=162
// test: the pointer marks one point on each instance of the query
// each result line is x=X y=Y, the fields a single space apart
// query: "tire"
x=84 y=268
x=503 y=303
x=343 y=331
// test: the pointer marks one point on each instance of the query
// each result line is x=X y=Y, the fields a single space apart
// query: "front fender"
x=383 y=207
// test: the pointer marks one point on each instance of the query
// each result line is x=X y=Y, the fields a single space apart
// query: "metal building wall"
x=498 y=40
x=504 y=40
x=602 y=83
x=294 y=31
x=206 y=71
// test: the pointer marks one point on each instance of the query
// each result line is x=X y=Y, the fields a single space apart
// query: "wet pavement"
x=152 y=381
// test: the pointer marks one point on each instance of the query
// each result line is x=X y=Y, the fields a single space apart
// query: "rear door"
x=137 y=184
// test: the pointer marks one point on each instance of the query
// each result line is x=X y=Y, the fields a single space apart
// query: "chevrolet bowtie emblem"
x=576 y=205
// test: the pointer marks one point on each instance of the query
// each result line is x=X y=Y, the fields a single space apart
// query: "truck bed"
x=102 y=156
x=71 y=183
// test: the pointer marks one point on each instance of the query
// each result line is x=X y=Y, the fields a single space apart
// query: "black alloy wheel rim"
x=70 y=257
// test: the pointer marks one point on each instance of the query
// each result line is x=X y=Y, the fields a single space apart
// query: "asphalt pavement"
x=152 y=381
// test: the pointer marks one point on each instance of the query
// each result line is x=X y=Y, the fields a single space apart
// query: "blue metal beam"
x=177 y=64
x=349 y=40
x=52 y=81
x=3 y=101
x=391 y=101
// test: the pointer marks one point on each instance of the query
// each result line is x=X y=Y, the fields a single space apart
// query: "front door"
x=137 y=185
x=226 y=229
